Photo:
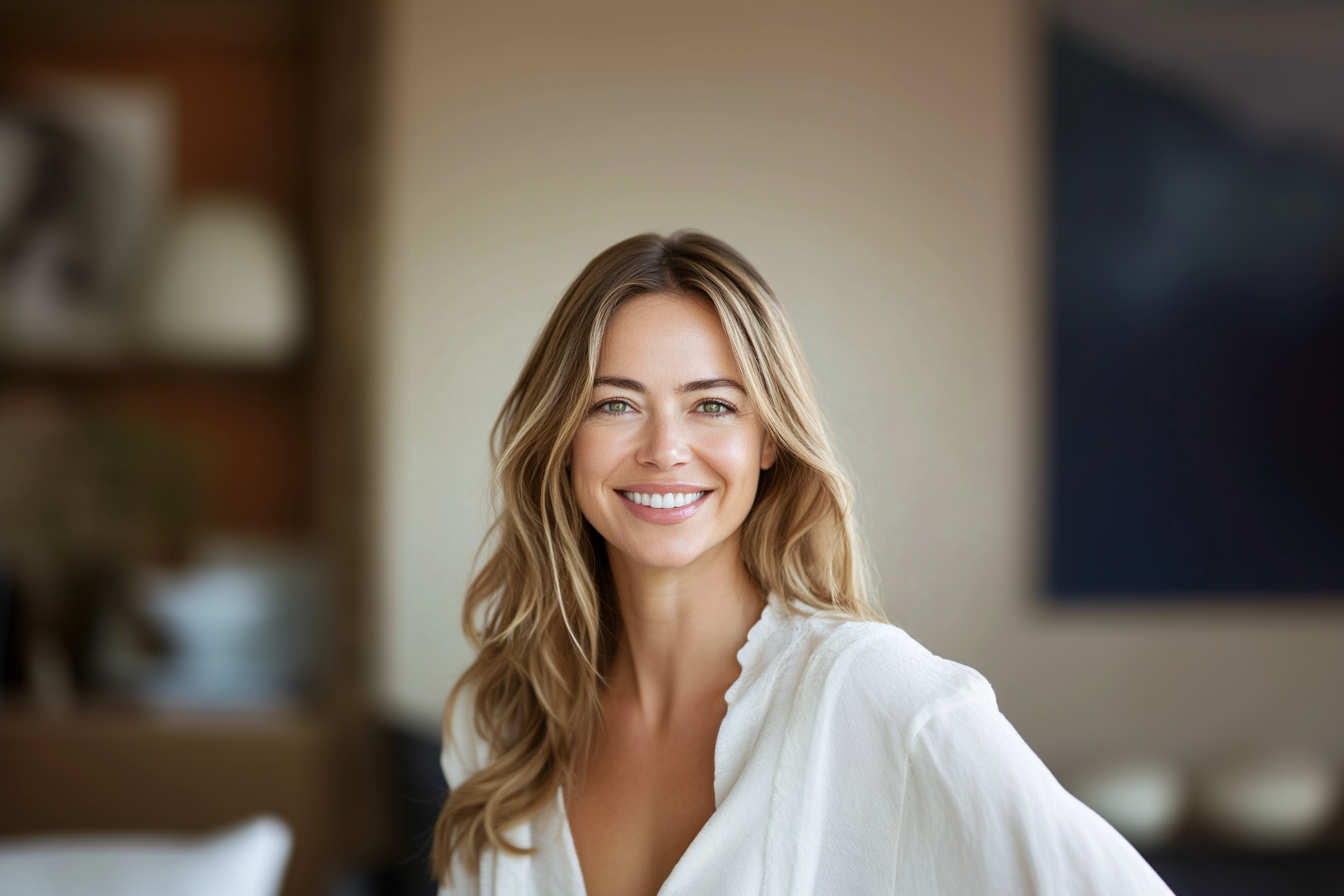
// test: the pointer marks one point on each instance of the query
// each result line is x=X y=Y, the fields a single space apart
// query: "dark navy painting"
x=1196 y=345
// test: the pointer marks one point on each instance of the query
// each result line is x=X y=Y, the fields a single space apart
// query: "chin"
x=662 y=553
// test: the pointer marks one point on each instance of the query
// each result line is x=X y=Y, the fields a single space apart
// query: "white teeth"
x=671 y=499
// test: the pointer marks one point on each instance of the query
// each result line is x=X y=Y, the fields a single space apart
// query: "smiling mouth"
x=666 y=500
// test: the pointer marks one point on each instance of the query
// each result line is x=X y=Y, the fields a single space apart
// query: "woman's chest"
x=640 y=800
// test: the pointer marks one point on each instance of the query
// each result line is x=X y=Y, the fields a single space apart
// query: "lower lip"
x=663 y=514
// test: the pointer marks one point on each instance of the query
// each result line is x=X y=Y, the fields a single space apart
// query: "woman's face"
x=667 y=459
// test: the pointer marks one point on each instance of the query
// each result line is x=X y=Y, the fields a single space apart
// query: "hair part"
x=541 y=612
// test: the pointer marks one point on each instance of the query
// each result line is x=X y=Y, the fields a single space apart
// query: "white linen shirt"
x=850 y=761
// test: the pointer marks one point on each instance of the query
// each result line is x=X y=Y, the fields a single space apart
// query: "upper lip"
x=663 y=488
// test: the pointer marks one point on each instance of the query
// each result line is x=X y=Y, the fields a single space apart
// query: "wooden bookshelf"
x=273 y=99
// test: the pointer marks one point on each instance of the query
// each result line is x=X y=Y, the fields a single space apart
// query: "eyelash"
x=600 y=407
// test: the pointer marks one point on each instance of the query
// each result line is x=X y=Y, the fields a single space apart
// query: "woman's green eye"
x=714 y=407
x=617 y=407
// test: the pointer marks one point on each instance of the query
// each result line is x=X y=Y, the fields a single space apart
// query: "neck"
x=681 y=628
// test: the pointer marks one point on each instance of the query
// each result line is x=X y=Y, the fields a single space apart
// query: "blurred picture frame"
x=1194 y=303
x=85 y=173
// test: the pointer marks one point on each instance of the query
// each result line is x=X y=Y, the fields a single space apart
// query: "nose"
x=664 y=443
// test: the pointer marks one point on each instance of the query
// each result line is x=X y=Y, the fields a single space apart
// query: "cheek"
x=736 y=457
x=593 y=457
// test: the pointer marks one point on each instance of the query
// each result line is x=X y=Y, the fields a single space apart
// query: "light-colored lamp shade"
x=227 y=287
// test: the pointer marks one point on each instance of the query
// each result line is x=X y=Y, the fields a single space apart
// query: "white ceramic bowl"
x=1143 y=798
x=1270 y=799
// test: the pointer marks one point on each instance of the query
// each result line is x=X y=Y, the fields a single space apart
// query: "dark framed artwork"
x=1195 y=304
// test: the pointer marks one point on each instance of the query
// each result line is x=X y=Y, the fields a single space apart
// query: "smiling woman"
x=672 y=438
x=681 y=685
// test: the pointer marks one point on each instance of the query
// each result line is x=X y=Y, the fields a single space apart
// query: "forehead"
x=662 y=336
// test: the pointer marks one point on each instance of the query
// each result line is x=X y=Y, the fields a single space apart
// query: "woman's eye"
x=615 y=407
x=713 y=407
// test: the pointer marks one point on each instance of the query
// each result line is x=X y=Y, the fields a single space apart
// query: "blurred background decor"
x=1271 y=799
x=367 y=208
x=84 y=170
x=246 y=860
x=83 y=496
x=243 y=624
x=226 y=287
x=1196 y=289
x=1144 y=798
x=183 y=242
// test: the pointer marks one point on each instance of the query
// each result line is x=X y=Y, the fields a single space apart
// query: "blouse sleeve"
x=983 y=815
x=464 y=753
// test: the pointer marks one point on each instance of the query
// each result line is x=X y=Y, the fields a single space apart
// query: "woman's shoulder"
x=878 y=671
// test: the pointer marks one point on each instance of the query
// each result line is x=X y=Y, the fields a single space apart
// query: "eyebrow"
x=622 y=382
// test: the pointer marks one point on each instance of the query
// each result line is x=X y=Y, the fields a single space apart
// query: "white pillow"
x=245 y=860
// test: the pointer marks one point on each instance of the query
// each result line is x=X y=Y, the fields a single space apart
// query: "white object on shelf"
x=1142 y=798
x=246 y=860
x=226 y=287
x=1271 y=799
x=240 y=632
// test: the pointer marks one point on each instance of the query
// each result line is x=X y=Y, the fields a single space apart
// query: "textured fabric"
x=850 y=761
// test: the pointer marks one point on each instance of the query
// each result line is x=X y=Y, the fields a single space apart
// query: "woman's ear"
x=768 y=452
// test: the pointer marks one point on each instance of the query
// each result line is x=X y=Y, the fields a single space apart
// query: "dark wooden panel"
x=247 y=435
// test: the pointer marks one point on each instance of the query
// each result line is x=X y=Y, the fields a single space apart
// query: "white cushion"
x=245 y=860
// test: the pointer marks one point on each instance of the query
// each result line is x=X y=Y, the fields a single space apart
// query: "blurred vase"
x=240 y=635
x=226 y=287
x=1270 y=799
x=1142 y=798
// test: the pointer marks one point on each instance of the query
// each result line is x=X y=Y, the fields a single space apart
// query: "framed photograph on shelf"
x=84 y=176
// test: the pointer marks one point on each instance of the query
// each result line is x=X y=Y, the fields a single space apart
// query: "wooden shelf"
x=272 y=98
x=240 y=76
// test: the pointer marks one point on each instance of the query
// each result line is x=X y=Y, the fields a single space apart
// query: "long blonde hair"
x=541 y=611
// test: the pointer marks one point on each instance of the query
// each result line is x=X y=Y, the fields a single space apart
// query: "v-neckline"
x=746 y=656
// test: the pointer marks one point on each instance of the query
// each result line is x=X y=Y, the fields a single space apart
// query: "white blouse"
x=850 y=761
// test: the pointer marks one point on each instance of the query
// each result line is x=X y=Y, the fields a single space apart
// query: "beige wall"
x=876 y=160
